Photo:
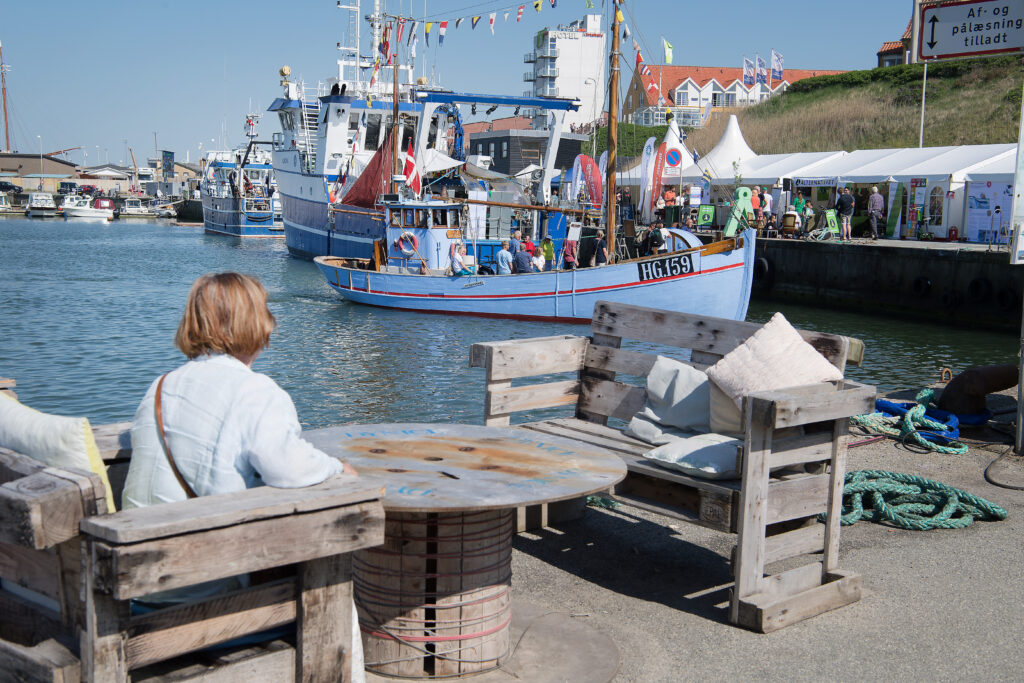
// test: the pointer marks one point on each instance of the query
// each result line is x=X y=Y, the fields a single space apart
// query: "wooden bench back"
x=595 y=392
x=707 y=338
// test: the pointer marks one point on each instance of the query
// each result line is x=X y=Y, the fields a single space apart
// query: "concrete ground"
x=938 y=605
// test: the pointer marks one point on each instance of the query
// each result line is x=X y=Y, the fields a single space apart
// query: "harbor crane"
x=61 y=151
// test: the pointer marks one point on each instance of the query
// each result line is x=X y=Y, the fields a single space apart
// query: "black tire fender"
x=764 y=273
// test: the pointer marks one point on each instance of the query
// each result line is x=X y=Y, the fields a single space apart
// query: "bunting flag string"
x=442 y=29
x=474 y=21
x=519 y=12
x=458 y=22
x=554 y=2
x=401 y=30
x=426 y=32
x=506 y=17
x=537 y=4
x=412 y=31
x=490 y=20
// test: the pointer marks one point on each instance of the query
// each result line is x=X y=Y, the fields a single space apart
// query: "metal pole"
x=915 y=32
x=613 y=129
x=924 y=90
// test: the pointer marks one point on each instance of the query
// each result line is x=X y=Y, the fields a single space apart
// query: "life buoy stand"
x=407 y=238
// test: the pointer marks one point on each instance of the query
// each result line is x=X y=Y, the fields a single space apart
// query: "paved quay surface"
x=937 y=605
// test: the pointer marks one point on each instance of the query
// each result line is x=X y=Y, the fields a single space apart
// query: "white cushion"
x=708 y=456
x=774 y=357
x=62 y=442
x=677 y=396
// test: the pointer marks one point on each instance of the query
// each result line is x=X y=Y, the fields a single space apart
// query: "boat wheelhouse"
x=40 y=205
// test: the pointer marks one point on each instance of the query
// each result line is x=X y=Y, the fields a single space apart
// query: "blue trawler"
x=238 y=191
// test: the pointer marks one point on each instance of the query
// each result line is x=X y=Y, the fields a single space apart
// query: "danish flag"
x=412 y=176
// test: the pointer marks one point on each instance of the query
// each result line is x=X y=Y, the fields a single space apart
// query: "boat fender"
x=1007 y=299
x=980 y=290
x=764 y=273
x=407 y=238
x=921 y=286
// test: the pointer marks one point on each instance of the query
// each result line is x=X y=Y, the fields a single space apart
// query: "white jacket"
x=229 y=429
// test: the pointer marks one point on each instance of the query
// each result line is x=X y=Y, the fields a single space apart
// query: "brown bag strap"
x=163 y=440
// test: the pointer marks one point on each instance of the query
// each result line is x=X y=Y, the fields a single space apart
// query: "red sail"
x=375 y=179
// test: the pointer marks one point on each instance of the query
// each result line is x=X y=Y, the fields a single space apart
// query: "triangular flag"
x=590 y=4
x=668 y=50
x=537 y=4
x=636 y=48
x=458 y=22
x=490 y=20
x=412 y=176
x=415 y=42
x=401 y=30
x=426 y=32
x=625 y=31
x=506 y=17
x=474 y=21
x=412 y=31
x=639 y=59
x=519 y=12
x=441 y=31
x=618 y=15
x=553 y=2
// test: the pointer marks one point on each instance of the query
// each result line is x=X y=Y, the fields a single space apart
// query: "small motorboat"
x=165 y=211
x=5 y=204
x=98 y=207
x=134 y=208
x=40 y=205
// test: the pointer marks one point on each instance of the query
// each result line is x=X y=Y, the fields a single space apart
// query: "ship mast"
x=613 y=130
x=3 y=87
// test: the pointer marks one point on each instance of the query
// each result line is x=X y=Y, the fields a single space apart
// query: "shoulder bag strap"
x=163 y=440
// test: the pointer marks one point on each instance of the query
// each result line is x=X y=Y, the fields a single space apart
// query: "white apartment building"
x=569 y=61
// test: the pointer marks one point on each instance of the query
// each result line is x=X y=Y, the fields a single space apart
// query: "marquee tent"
x=999 y=170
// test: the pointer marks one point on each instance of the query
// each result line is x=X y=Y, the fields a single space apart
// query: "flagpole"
x=613 y=128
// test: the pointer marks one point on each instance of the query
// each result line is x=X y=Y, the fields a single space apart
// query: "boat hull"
x=227 y=216
x=41 y=213
x=714 y=284
x=88 y=212
x=308 y=231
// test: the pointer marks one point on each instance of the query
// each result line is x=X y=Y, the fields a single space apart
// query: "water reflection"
x=90 y=311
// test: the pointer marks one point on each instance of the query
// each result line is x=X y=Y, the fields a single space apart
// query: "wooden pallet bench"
x=69 y=571
x=792 y=461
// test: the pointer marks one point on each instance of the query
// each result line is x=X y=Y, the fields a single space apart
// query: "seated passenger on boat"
x=503 y=259
x=459 y=266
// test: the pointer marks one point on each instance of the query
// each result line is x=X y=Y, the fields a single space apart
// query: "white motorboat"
x=134 y=208
x=40 y=205
x=165 y=211
x=5 y=204
x=99 y=207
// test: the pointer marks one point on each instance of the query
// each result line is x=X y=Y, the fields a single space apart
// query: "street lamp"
x=40 y=161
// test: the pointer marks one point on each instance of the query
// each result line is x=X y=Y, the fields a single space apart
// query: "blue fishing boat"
x=239 y=192
x=412 y=270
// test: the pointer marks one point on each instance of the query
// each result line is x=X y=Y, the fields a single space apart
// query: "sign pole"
x=1017 y=258
x=924 y=90
x=915 y=32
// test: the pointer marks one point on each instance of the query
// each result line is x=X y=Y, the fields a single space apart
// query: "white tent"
x=731 y=149
x=998 y=170
x=839 y=167
x=955 y=162
x=770 y=169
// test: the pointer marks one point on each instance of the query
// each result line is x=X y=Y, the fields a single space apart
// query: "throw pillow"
x=677 y=396
x=707 y=456
x=54 y=440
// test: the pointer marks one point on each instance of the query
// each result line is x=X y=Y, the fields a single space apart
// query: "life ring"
x=980 y=290
x=412 y=241
x=921 y=286
x=764 y=274
x=1007 y=299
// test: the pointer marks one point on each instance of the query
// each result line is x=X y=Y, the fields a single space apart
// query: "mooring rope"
x=905 y=428
x=911 y=502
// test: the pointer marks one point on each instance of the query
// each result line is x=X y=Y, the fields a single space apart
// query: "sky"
x=108 y=74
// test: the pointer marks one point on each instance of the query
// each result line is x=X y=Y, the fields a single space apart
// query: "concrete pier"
x=942 y=282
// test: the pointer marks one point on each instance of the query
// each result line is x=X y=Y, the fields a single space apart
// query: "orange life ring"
x=412 y=241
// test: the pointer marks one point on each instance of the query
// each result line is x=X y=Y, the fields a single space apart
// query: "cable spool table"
x=435 y=600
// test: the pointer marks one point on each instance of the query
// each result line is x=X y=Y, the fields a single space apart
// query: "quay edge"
x=932 y=282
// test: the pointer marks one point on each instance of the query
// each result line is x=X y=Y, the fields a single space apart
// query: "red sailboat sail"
x=375 y=179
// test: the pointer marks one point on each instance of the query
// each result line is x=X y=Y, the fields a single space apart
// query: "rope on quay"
x=911 y=502
x=904 y=428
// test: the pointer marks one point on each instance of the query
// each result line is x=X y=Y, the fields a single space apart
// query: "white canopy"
x=770 y=169
x=839 y=167
x=955 y=162
x=434 y=161
x=998 y=170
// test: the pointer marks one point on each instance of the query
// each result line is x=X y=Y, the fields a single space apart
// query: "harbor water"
x=89 y=311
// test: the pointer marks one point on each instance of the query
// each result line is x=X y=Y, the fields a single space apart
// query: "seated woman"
x=459 y=266
x=213 y=425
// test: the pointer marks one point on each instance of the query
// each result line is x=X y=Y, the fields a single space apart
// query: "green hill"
x=969 y=102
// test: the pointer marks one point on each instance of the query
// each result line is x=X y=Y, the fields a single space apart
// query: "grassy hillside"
x=969 y=102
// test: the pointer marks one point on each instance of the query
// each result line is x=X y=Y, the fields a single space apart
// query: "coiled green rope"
x=911 y=502
x=905 y=428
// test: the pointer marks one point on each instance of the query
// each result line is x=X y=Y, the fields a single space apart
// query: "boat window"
x=453 y=217
x=410 y=218
x=407 y=134
x=421 y=218
x=353 y=122
x=372 y=132
x=440 y=219
x=396 y=219
x=490 y=149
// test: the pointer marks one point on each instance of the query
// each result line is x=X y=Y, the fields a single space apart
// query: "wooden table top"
x=456 y=468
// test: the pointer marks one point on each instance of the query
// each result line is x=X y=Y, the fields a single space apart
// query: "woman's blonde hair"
x=225 y=313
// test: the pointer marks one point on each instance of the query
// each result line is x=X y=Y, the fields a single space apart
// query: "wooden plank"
x=837 y=478
x=817 y=403
x=323 y=651
x=590 y=374
x=592 y=439
x=26 y=622
x=808 y=539
x=765 y=613
x=185 y=628
x=130 y=571
x=611 y=399
x=753 y=504
x=532 y=397
x=791 y=582
x=40 y=510
x=671 y=328
x=813 y=447
x=619 y=360
x=103 y=639
x=114 y=440
x=225 y=510
x=582 y=429
x=705 y=508
x=275 y=662
x=833 y=347
x=529 y=357
x=796 y=498
x=47 y=662
x=36 y=570
x=15 y=465
x=638 y=465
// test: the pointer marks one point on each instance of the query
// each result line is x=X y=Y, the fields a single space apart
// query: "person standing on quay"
x=875 y=208
x=844 y=207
